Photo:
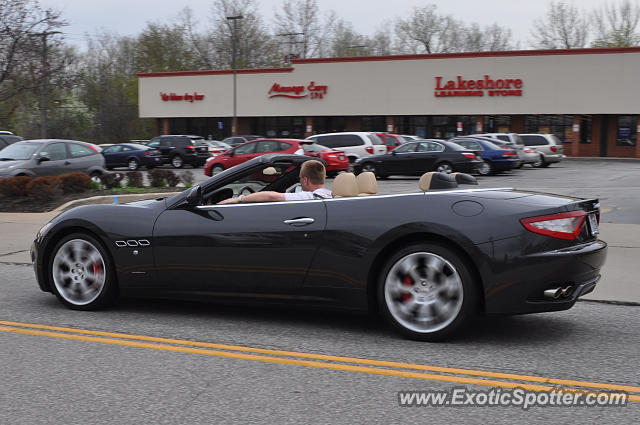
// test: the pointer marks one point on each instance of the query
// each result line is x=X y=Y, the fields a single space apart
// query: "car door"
x=57 y=162
x=398 y=161
x=81 y=157
x=426 y=156
x=111 y=156
x=238 y=249
x=241 y=154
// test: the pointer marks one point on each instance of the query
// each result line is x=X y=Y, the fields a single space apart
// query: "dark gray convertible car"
x=428 y=261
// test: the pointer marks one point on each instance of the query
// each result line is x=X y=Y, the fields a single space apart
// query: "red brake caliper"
x=96 y=268
x=406 y=281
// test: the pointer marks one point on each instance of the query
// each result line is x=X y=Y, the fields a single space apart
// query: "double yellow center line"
x=322 y=361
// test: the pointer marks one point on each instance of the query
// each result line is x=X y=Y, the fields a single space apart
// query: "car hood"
x=11 y=164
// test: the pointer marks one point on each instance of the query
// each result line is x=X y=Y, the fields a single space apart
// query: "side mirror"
x=43 y=158
x=194 y=196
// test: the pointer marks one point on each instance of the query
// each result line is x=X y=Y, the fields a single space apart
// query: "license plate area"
x=593 y=224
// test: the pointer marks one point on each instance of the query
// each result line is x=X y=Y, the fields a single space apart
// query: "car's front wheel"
x=81 y=273
x=216 y=169
x=427 y=292
x=177 y=161
x=132 y=164
x=485 y=169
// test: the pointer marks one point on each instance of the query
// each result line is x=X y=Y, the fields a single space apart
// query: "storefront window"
x=497 y=124
x=560 y=125
x=374 y=123
x=627 y=130
x=585 y=129
x=280 y=127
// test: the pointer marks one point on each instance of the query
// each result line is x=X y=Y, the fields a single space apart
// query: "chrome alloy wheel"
x=445 y=168
x=423 y=292
x=79 y=272
x=484 y=169
x=369 y=167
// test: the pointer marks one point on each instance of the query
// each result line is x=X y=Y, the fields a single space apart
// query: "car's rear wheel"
x=485 y=169
x=132 y=164
x=216 y=169
x=427 y=292
x=444 y=167
x=81 y=273
x=538 y=162
x=177 y=161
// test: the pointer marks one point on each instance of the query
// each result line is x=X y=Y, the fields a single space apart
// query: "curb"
x=111 y=199
x=599 y=158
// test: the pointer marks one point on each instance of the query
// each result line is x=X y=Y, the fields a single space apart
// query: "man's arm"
x=267 y=196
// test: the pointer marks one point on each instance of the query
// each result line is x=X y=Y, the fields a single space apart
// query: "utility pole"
x=44 y=83
x=234 y=122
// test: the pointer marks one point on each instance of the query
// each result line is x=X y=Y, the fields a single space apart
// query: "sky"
x=129 y=17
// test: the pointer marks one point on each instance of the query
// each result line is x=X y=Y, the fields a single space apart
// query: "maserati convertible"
x=428 y=261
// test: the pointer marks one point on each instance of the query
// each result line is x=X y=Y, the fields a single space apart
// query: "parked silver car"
x=50 y=157
x=547 y=146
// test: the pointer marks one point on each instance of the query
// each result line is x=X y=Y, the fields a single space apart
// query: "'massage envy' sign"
x=485 y=86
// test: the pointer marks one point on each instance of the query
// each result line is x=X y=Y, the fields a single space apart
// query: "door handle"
x=303 y=221
x=67 y=163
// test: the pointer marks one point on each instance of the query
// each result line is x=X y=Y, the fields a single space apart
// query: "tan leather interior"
x=425 y=181
x=367 y=184
x=344 y=185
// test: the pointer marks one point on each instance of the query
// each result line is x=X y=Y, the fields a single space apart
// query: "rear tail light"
x=147 y=153
x=191 y=147
x=509 y=153
x=553 y=149
x=469 y=155
x=505 y=147
x=369 y=149
x=528 y=151
x=94 y=148
x=565 y=225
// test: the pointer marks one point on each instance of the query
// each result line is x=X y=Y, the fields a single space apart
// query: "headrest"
x=345 y=185
x=433 y=181
x=367 y=183
x=463 y=178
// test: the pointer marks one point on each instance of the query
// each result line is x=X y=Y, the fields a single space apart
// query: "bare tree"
x=256 y=47
x=616 y=25
x=564 y=26
x=300 y=23
x=419 y=33
x=31 y=47
x=346 y=41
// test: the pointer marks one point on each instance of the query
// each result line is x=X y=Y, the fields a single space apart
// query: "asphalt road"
x=615 y=182
x=56 y=376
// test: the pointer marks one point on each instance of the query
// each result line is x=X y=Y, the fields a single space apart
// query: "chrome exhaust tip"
x=553 y=293
x=566 y=291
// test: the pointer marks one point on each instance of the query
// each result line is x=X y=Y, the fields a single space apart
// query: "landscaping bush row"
x=47 y=188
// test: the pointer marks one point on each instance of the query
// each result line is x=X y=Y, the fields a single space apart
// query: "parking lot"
x=614 y=182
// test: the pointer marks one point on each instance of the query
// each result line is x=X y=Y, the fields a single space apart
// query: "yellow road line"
x=278 y=360
x=399 y=365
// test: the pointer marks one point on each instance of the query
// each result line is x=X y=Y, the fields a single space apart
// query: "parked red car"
x=336 y=160
x=391 y=140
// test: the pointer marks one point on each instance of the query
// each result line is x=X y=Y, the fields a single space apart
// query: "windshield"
x=19 y=151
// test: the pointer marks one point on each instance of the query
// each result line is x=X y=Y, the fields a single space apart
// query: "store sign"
x=187 y=97
x=298 y=92
x=482 y=87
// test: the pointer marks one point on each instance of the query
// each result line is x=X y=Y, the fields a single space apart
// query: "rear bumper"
x=504 y=164
x=519 y=289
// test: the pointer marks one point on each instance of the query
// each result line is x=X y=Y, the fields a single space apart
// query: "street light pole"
x=44 y=82
x=234 y=122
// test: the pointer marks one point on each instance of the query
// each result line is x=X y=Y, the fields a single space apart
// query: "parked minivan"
x=548 y=146
x=516 y=143
x=356 y=144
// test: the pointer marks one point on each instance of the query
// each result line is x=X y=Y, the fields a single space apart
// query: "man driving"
x=312 y=176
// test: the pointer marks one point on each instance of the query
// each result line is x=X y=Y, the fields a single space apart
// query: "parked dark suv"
x=7 y=139
x=178 y=150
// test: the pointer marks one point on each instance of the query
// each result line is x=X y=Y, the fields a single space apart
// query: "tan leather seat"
x=433 y=181
x=367 y=184
x=344 y=185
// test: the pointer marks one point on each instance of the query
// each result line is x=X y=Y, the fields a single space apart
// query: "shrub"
x=188 y=178
x=44 y=188
x=134 y=179
x=156 y=177
x=75 y=182
x=15 y=186
x=95 y=185
x=171 y=178
x=111 y=180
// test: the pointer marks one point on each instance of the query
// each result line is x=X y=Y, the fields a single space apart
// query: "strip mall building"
x=589 y=98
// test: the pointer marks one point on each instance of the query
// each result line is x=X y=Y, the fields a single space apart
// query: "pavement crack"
x=14 y=252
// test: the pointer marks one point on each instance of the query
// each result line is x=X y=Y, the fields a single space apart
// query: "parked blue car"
x=496 y=159
x=132 y=156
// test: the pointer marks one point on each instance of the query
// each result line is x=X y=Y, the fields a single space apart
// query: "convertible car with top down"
x=428 y=261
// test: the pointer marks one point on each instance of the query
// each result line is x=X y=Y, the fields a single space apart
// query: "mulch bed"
x=34 y=205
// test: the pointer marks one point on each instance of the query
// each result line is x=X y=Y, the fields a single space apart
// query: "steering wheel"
x=247 y=188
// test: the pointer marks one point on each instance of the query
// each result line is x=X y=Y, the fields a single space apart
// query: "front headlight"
x=43 y=230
